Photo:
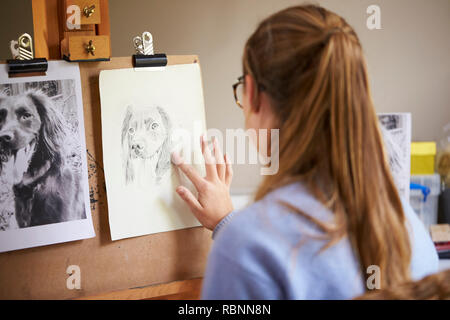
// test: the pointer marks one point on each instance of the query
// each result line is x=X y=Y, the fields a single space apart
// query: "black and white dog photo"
x=40 y=155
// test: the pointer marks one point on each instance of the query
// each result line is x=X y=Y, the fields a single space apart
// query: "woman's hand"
x=214 y=201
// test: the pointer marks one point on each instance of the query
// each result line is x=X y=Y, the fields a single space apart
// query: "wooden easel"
x=49 y=21
x=161 y=266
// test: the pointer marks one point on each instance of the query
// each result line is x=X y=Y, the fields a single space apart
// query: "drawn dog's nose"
x=138 y=146
x=6 y=136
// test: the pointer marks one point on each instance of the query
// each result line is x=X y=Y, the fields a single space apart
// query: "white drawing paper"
x=44 y=196
x=396 y=130
x=142 y=112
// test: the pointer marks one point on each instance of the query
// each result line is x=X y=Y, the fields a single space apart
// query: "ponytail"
x=310 y=62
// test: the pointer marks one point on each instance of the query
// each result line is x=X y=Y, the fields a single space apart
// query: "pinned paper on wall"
x=146 y=115
x=44 y=196
x=396 y=130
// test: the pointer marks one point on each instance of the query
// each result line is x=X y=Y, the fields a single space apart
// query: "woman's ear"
x=251 y=94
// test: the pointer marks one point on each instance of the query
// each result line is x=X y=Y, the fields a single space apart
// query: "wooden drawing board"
x=106 y=266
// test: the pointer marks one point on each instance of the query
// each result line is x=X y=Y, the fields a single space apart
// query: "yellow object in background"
x=422 y=157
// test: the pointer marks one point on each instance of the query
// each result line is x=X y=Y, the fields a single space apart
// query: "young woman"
x=332 y=211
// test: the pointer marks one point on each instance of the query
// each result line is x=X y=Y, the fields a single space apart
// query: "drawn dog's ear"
x=164 y=155
x=53 y=131
x=127 y=164
x=126 y=123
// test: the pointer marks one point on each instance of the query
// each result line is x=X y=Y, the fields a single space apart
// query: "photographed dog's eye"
x=131 y=131
x=155 y=125
x=25 y=116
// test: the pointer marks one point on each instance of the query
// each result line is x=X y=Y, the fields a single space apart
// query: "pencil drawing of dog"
x=33 y=159
x=146 y=144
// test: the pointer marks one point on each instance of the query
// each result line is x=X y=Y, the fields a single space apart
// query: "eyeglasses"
x=238 y=91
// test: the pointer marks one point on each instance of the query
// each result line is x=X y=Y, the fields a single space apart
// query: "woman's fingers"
x=210 y=161
x=202 y=145
x=228 y=171
x=188 y=170
x=190 y=199
x=213 y=202
x=220 y=162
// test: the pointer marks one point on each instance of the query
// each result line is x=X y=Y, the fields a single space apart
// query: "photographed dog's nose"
x=6 y=136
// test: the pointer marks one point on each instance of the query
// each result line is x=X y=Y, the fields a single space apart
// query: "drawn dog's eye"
x=131 y=131
x=155 y=125
x=25 y=116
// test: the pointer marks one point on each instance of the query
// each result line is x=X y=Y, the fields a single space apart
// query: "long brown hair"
x=310 y=63
x=432 y=287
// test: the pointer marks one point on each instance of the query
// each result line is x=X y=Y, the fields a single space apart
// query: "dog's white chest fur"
x=145 y=171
